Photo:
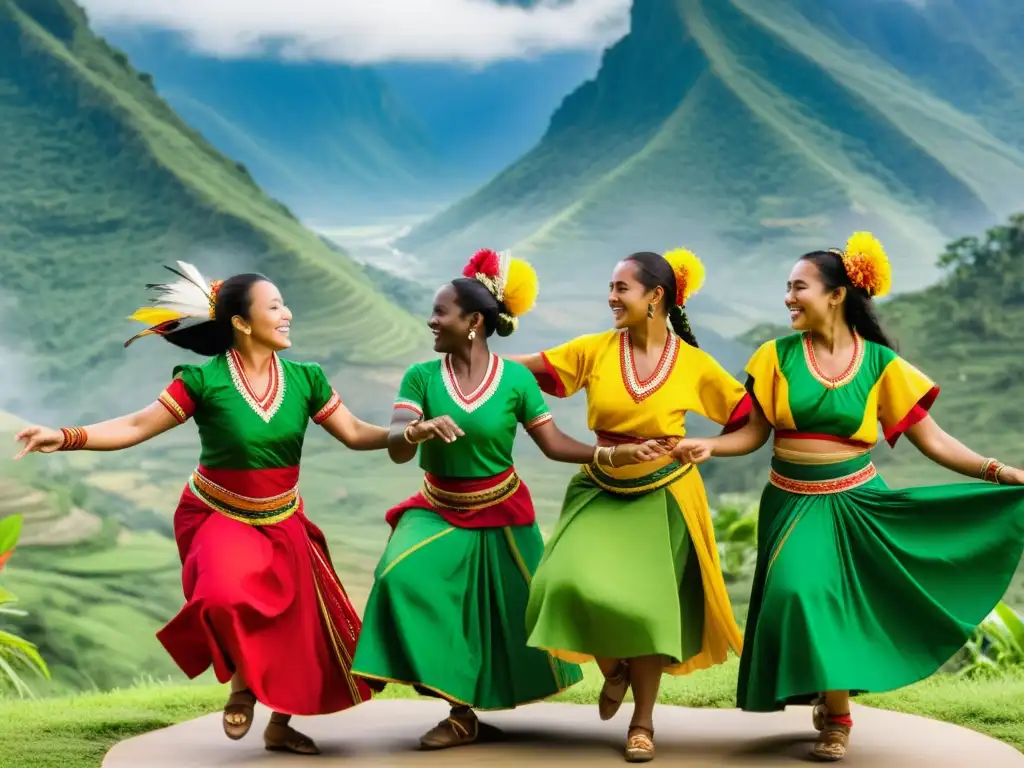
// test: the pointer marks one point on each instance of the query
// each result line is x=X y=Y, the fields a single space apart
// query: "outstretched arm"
x=558 y=446
x=113 y=435
x=946 y=451
x=744 y=440
x=355 y=433
x=408 y=430
x=534 y=363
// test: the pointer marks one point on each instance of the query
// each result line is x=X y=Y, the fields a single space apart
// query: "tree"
x=15 y=651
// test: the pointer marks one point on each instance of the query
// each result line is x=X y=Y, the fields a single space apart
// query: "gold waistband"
x=823 y=487
x=809 y=458
x=245 y=509
x=486 y=497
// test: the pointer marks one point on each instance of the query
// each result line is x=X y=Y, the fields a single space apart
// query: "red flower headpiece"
x=484 y=262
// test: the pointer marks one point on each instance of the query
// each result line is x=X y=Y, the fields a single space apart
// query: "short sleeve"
x=905 y=395
x=763 y=378
x=185 y=392
x=722 y=398
x=533 y=410
x=323 y=399
x=567 y=367
x=412 y=392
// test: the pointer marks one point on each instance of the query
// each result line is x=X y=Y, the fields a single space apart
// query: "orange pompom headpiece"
x=866 y=264
x=689 y=272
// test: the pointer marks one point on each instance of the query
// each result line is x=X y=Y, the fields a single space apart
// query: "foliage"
x=15 y=651
x=735 y=524
x=997 y=645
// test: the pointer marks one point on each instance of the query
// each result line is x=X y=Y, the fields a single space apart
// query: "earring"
x=650 y=310
x=472 y=334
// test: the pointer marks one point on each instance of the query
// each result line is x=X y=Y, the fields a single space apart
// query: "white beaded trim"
x=482 y=393
x=241 y=382
x=637 y=390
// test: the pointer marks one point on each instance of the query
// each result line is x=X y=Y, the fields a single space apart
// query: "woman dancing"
x=445 y=614
x=264 y=605
x=857 y=587
x=631 y=574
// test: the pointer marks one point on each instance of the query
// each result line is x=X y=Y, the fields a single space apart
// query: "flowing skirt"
x=632 y=570
x=264 y=601
x=862 y=588
x=445 y=615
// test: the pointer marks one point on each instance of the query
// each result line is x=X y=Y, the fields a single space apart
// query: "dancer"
x=264 y=605
x=858 y=587
x=445 y=614
x=631 y=574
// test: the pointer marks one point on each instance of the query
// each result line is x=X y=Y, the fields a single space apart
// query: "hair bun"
x=507 y=324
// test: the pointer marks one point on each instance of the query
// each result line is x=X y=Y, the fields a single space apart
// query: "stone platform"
x=386 y=733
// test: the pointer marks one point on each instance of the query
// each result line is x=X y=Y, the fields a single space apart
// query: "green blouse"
x=489 y=416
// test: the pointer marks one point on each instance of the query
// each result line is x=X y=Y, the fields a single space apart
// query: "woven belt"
x=634 y=486
x=823 y=487
x=245 y=509
x=487 y=497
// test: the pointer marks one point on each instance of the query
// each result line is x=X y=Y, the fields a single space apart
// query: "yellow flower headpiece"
x=689 y=272
x=511 y=281
x=867 y=265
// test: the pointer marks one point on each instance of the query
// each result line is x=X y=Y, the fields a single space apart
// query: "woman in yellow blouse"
x=593 y=596
x=858 y=587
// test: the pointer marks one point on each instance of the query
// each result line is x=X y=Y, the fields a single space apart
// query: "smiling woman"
x=264 y=605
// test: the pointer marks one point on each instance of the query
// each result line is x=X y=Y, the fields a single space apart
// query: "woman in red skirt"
x=264 y=605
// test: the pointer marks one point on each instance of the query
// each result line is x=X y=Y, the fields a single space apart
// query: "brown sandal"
x=613 y=691
x=239 y=703
x=640 y=744
x=287 y=739
x=832 y=743
x=454 y=731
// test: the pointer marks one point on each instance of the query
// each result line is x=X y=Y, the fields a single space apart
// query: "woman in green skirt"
x=630 y=576
x=858 y=587
x=446 y=612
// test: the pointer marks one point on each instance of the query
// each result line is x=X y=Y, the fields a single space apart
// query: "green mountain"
x=754 y=133
x=104 y=183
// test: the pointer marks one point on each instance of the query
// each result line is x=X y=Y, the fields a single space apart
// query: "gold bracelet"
x=405 y=433
x=75 y=439
x=597 y=455
x=990 y=470
x=611 y=456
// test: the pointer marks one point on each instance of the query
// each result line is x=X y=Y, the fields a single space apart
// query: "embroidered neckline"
x=480 y=395
x=846 y=376
x=267 y=405
x=640 y=390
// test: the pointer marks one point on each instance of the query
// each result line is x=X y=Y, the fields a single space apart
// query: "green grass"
x=75 y=732
x=751 y=137
x=103 y=185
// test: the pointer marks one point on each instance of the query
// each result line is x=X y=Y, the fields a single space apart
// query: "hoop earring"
x=472 y=334
x=650 y=310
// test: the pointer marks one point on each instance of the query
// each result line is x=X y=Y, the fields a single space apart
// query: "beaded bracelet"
x=75 y=439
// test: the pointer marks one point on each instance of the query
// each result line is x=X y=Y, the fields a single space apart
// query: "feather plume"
x=186 y=302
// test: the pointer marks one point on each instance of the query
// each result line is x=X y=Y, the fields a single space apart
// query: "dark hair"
x=652 y=270
x=474 y=296
x=858 y=309
x=218 y=335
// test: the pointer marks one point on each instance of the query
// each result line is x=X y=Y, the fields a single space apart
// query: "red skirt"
x=262 y=596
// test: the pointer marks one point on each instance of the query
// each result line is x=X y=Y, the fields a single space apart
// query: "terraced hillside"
x=103 y=184
x=754 y=133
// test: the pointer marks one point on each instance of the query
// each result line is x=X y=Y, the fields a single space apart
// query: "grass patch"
x=75 y=732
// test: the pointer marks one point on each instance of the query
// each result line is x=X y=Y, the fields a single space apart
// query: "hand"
x=442 y=427
x=1011 y=476
x=692 y=451
x=638 y=453
x=39 y=440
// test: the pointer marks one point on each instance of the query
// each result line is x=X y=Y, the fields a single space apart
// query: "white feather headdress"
x=181 y=304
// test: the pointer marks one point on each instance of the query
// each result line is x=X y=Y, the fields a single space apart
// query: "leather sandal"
x=832 y=743
x=613 y=691
x=281 y=737
x=819 y=715
x=640 y=744
x=239 y=703
x=453 y=731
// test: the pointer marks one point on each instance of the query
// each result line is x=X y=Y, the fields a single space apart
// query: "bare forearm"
x=534 y=363
x=558 y=446
x=400 y=450
x=367 y=437
x=944 y=449
x=747 y=439
x=124 y=431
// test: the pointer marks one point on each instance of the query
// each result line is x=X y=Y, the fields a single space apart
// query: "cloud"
x=372 y=31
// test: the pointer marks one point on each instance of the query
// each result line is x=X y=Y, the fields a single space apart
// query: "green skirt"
x=619 y=579
x=865 y=588
x=445 y=615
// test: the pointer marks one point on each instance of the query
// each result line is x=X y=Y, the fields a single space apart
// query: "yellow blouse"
x=618 y=402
